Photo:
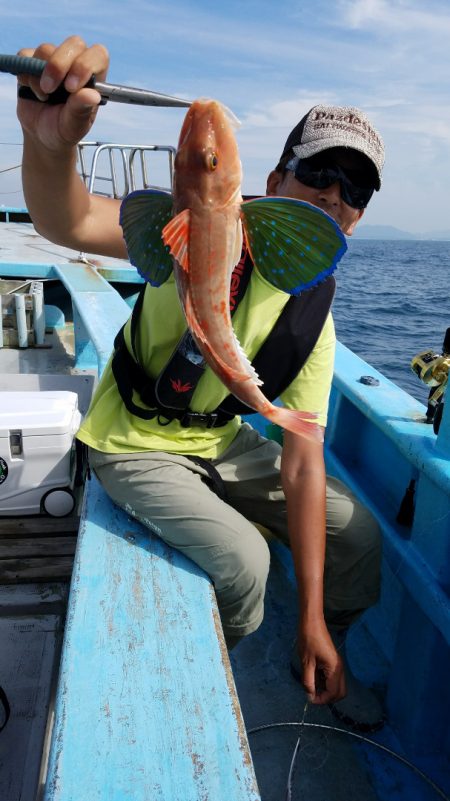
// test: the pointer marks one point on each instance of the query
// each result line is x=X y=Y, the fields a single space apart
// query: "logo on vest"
x=178 y=386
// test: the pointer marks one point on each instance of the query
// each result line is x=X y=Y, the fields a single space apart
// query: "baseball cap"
x=324 y=127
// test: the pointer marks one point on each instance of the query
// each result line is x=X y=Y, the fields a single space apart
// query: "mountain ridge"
x=391 y=232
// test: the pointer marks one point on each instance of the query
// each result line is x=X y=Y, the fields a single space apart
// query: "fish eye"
x=212 y=161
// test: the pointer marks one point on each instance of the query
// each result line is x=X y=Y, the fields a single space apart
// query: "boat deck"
x=37 y=548
x=25 y=252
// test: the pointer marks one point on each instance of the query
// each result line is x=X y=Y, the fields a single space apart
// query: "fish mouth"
x=231 y=117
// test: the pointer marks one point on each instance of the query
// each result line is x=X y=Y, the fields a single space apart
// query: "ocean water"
x=393 y=301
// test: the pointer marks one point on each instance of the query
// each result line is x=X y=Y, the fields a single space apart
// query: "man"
x=203 y=488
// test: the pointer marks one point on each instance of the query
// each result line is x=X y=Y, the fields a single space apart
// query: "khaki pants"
x=170 y=494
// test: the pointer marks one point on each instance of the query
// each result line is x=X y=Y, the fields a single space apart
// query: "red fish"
x=294 y=246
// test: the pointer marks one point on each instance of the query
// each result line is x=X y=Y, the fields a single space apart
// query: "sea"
x=392 y=302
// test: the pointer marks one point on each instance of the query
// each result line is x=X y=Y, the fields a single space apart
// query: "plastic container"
x=37 y=452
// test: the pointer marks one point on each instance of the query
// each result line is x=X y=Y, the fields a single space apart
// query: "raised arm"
x=60 y=206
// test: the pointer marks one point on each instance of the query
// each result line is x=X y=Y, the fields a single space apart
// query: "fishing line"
x=359 y=737
x=8 y=169
x=294 y=756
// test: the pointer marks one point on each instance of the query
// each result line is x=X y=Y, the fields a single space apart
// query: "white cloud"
x=400 y=16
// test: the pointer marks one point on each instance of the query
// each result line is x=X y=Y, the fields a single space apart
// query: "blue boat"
x=145 y=703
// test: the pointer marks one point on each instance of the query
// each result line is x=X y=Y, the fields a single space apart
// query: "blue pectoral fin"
x=143 y=215
x=293 y=244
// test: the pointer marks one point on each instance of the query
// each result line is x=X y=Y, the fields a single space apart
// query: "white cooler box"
x=37 y=452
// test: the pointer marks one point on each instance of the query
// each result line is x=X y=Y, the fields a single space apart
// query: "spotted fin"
x=293 y=244
x=143 y=215
x=176 y=237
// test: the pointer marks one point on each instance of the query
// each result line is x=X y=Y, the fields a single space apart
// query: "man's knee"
x=241 y=588
x=353 y=556
x=248 y=567
x=362 y=534
x=349 y=522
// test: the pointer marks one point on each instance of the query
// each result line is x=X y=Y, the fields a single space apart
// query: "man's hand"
x=322 y=668
x=59 y=203
x=61 y=127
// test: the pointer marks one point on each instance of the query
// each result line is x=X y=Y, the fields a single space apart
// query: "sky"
x=269 y=61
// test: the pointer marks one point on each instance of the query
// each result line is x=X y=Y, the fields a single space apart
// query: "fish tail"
x=298 y=422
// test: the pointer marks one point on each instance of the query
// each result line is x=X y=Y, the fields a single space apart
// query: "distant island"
x=390 y=232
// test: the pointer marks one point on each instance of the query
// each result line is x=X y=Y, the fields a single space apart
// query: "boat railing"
x=128 y=167
x=125 y=168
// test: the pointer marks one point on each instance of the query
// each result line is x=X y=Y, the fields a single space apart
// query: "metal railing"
x=128 y=167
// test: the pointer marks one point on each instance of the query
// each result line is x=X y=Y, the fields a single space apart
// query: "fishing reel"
x=433 y=369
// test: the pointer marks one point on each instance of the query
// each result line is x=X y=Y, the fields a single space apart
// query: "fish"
x=198 y=231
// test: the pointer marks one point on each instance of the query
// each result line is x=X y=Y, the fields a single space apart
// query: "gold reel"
x=431 y=368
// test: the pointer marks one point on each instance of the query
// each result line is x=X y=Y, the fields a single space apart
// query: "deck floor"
x=37 y=548
x=31 y=629
x=329 y=766
x=21 y=246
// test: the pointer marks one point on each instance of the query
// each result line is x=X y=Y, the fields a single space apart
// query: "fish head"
x=207 y=165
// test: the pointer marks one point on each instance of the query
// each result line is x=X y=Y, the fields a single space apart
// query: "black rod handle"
x=17 y=65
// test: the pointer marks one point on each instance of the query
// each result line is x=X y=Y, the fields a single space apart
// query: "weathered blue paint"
x=124 y=275
x=26 y=270
x=111 y=273
x=146 y=706
x=9 y=211
x=98 y=313
x=377 y=442
x=54 y=317
x=392 y=411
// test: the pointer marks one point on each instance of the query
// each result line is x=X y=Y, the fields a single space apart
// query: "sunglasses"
x=322 y=176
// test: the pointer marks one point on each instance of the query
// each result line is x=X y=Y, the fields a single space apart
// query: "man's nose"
x=332 y=194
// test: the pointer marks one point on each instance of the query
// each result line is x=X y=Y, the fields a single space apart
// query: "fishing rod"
x=25 y=65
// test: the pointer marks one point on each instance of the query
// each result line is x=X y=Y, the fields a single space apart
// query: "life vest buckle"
x=207 y=420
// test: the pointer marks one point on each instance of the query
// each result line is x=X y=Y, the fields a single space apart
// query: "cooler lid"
x=39 y=413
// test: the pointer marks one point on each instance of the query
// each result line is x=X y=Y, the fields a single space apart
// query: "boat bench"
x=146 y=706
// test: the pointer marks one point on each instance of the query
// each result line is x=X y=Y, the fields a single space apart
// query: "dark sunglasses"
x=321 y=177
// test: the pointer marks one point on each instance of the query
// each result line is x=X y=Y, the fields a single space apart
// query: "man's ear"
x=355 y=222
x=274 y=180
